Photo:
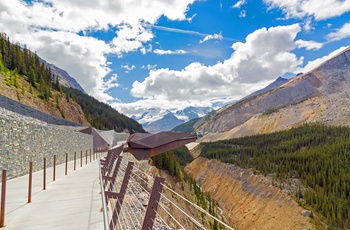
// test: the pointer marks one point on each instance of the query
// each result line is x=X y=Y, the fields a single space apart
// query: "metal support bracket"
x=153 y=203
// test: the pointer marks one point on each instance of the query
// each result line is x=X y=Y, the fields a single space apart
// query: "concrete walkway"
x=70 y=202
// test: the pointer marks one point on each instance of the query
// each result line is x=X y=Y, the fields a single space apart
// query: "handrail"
x=104 y=201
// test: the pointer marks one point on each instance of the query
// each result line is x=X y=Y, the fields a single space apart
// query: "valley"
x=301 y=182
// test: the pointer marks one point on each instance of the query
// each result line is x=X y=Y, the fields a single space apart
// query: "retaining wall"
x=17 y=107
x=23 y=139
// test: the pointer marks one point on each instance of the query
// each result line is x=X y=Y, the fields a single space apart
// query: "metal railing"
x=121 y=205
x=30 y=179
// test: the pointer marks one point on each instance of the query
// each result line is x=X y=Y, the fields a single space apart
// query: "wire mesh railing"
x=133 y=199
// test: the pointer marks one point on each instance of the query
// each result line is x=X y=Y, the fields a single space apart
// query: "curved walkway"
x=70 y=202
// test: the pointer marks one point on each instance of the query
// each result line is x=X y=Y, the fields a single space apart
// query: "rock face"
x=320 y=92
x=24 y=139
x=248 y=201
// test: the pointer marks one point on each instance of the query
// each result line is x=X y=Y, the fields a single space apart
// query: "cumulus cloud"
x=130 y=38
x=309 y=45
x=61 y=28
x=340 y=33
x=168 y=52
x=263 y=56
x=84 y=57
x=211 y=37
x=320 y=10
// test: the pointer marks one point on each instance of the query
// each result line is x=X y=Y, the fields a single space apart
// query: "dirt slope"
x=71 y=110
x=248 y=201
x=330 y=110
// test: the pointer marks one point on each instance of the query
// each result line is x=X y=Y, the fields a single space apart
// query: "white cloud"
x=309 y=45
x=212 y=36
x=128 y=68
x=242 y=14
x=341 y=33
x=112 y=82
x=53 y=31
x=168 y=52
x=149 y=66
x=191 y=18
x=308 y=25
x=175 y=30
x=84 y=57
x=264 y=56
x=130 y=39
x=139 y=107
x=239 y=4
x=145 y=50
x=313 y=64
x=319 y=9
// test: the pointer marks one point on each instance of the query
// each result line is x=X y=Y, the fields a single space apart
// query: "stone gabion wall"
x=24 y=139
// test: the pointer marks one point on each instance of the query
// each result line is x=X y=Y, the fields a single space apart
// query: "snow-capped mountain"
x=157 y=120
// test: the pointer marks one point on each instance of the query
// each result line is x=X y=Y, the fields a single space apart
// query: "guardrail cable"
x=136 y=200
x=196 y=206
x=171 y=216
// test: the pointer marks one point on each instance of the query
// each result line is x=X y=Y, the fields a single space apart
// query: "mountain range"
x=156 y=120
x=320 y=95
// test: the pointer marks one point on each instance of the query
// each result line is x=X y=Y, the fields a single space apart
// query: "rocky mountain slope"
x=64 y=78
x=249 y=201
x=319 y=95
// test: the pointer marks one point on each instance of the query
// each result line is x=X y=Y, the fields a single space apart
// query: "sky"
x=141 y=54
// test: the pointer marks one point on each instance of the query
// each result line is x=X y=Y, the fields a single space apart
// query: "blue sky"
x=136 y=55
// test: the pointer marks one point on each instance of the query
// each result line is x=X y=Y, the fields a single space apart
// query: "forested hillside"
x=101 y=115
x=318 y=155
x=18 y=62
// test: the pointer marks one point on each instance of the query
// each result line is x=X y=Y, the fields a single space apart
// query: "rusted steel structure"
x=98 y=141
x=145 y=145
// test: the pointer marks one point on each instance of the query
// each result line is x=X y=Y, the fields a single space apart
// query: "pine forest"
x=316 y=154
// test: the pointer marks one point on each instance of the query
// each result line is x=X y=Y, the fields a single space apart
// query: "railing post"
x=44 y=179
x=30 y=182
x=120 y=195
x=153 y=203
x=54 y=168
x=113 y=177
x=66 y=170
x=75 y=161
x=86 y=157
x=90 y=155
x=81 y=158
x=3 y=198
